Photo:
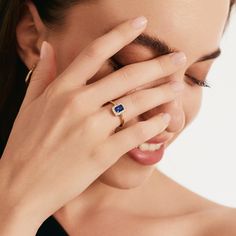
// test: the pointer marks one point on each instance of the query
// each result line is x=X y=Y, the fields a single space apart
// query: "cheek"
x=192 y=103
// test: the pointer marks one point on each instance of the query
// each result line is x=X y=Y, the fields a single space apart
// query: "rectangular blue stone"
x=119 y=108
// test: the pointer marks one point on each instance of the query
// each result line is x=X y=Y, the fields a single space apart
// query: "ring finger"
x=138 y=103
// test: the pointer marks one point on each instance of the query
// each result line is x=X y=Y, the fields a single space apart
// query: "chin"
x=126 y=174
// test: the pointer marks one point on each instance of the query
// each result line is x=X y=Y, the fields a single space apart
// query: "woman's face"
x=192 y=26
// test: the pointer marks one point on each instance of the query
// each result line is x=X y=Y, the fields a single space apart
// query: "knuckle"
x=125 y=73
x=167 y=93
x=51 y=92
x=140 y=132
x=119 y=33
x=160 y=93
x=98 y=157
x=89 y=91
x=98 y=151
x=91 y=124
x=143 y=131
x=134 y=99
x=94 y=50
x=75 y=101
x=160 y=67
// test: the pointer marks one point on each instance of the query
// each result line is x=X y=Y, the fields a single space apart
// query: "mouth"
x=152 y=151
x=147 y=157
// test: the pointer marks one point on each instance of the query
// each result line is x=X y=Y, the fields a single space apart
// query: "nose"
x=175 y=109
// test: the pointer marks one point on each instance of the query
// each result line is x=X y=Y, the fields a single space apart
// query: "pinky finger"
x=125 y=140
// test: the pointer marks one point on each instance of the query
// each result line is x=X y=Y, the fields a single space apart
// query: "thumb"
x=43 y=75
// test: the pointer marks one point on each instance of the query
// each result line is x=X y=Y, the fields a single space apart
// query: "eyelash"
x=116 y=66
x=201 y=83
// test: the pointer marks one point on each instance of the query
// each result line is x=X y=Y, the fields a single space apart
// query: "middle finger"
x=117 y=84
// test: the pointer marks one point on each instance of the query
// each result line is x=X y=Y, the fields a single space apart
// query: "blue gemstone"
x=119 y=108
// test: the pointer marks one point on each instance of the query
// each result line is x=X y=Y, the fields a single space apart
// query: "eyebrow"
x=161 y=47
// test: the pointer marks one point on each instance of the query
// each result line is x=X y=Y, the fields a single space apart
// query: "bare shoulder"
x=219 y=221
x=212 y=222
x=193 y=214
x=188 y=200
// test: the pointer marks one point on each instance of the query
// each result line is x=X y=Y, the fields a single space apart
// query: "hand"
x=63 y=137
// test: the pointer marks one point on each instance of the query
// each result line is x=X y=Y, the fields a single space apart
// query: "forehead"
x=193 y=26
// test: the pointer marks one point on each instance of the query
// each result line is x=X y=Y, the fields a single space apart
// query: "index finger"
x=91 y=58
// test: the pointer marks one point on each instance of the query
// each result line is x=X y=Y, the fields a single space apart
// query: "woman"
x=110 y=92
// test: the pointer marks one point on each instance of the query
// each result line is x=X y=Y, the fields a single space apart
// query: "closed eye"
x=201 y=83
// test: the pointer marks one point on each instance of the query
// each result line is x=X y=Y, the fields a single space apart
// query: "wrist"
x=17 y=216
x=15 y=222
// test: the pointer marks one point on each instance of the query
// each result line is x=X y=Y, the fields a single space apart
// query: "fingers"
x=138 y=103
x=42 y=76
x=125 y=140
x=90 y=60
x=132 y=76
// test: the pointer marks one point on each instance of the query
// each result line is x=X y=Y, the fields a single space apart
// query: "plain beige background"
x=203 y=158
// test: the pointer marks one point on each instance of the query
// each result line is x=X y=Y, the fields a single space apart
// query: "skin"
x=157 y=201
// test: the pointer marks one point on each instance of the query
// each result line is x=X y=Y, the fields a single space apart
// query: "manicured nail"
x=177 y=86
x=179 y=58
x=43 y=51
x=139 y=22
x=166 y=117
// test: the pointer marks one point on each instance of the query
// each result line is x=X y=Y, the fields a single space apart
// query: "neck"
x=99 y=196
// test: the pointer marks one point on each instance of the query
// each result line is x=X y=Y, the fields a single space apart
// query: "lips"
x=153 y=157
x=147 y=157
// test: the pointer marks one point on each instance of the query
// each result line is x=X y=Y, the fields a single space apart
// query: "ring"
x=118 y=110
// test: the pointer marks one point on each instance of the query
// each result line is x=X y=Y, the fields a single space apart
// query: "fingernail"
x=179 y=58
x=139 y=22
x=166 y=117
x=177 y=86
x=43 y=50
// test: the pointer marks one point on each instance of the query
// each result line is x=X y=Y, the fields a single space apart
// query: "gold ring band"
x=118 y=110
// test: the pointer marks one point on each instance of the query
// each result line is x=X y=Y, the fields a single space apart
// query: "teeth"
x=149 y=147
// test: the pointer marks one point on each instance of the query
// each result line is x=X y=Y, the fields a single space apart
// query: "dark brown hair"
x=12 y=69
